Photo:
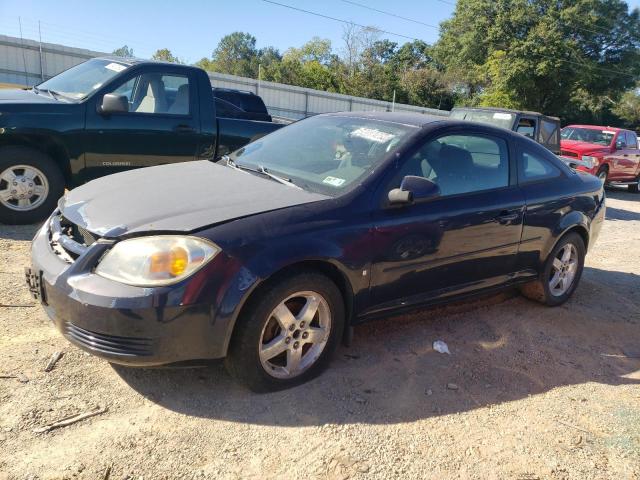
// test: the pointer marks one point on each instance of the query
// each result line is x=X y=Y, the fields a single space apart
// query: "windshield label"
x=334 y=181
x=609 y=132
x=502 y=116
x=372 y=135
x=116 y=67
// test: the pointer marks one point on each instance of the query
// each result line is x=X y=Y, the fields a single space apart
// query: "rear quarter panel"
x=553 y=208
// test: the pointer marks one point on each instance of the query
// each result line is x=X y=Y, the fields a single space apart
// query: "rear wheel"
x=287 y=334
x=561 y=273
x=30 y=185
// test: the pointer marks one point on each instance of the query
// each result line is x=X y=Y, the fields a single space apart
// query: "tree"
x=567 y=58
x=165 y=55
x=236 y=54
x=628 y=108
x=124 y=51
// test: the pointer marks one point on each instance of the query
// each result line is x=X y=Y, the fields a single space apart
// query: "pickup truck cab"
x=104 y=116
x=538 y=127
x=610 y=153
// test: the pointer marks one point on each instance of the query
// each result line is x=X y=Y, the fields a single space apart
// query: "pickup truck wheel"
x=634 y=187
x=561 y=272
x=287 y=334
x=602 y=174
x=30 y=185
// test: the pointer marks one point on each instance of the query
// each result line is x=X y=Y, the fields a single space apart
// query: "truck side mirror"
x=620 y=144
x=112 y=103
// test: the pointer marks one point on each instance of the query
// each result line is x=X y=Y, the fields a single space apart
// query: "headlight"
x=155 y=261
x=590 y=161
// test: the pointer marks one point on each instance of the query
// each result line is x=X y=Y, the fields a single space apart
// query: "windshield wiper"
x=52 y=93
x=285 y=181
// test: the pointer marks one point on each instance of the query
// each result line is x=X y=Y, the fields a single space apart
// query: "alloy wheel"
x=23 y=187
x=563 y=270
x=295 y=335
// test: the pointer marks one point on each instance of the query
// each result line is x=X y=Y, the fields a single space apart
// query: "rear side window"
x=549 y=132
x=533 y=167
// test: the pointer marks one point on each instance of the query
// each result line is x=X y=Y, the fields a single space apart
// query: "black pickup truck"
x=104 y=116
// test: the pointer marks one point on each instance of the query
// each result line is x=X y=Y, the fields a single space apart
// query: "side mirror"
x=413 y=189
x=112 y=103
x=620 y=144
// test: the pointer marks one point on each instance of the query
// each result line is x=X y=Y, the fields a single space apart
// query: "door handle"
x=505 y=217
x=183 y=128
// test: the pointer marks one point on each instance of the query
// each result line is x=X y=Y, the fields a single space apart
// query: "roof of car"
x=598 y=127
x=506 y=110
x=407 y=118
x=136 y=61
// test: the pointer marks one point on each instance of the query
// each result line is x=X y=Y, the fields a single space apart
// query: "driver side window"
x=461 y=164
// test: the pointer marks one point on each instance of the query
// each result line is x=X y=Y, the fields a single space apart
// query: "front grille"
x=567 y=153
x=110 y=344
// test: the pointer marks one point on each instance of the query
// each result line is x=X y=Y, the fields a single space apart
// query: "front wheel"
x=287 y=334
x=633 y=188
x=30 y=185
x=561 y=272
x=603 y=174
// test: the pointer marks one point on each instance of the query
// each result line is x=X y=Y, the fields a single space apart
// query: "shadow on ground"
x=504 y=348
x=18 y=232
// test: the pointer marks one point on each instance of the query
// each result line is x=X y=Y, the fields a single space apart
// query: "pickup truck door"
x=630 y=158
x=162 y=124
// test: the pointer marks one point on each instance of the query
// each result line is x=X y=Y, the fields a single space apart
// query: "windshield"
x=81 y=80
x=324 y=154
x=500 y=119
x=589 y=135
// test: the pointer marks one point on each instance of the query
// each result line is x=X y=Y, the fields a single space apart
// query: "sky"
x=191 y=29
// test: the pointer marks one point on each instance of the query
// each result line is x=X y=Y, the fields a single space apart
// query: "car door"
x=465 y=239
x=161 y=126
x=617 y=158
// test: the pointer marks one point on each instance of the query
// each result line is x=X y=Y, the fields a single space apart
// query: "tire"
x=603 y=174
x=634 y=188
x=29 y=171
x=258 y=327
x=541 y=289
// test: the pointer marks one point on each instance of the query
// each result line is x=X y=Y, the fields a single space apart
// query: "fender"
x=255 y=273
x=572 y=220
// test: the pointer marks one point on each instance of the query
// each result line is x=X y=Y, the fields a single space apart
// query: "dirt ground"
x=528 y=392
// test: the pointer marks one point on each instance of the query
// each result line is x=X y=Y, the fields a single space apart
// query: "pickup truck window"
x=156 y=93
x=526 y=127
x=632 y=140
x=548 y=132
x=79 y=81
x=590 y=135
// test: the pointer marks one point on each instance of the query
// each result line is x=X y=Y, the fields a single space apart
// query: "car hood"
x=16 y=96
x=583 y=148
x=176 y=198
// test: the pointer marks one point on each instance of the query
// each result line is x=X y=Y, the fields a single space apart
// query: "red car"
x=610 y=153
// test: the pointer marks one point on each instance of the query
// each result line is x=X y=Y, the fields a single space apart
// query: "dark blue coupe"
x=269 y=257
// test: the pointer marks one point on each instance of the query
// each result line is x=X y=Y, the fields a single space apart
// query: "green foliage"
x=628 y=108
x=165 y=55
x=124 y=51
x=570 y=58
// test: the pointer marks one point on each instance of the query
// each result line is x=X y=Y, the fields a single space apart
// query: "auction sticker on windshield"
x=372 y=134
x=116 y=67
x=502 y=116
x=334 y=181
